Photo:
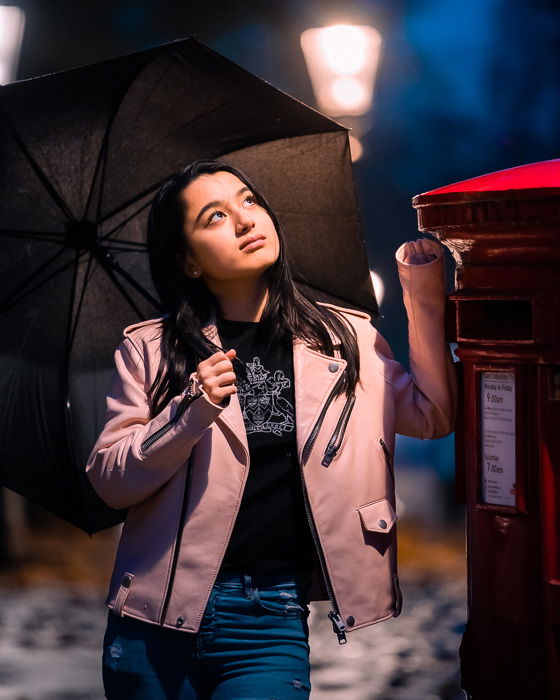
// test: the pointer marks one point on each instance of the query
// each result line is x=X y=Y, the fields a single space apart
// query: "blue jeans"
x=252 y=644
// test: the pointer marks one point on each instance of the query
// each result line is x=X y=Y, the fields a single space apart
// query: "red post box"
x=503 y=230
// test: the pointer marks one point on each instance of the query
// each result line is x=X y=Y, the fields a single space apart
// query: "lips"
x=250 y=240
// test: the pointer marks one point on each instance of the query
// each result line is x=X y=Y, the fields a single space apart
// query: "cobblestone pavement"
x=412 y=657
x=50 y=646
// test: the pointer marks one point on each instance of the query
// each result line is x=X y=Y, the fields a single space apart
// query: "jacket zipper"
x=396 y=587
x=385 y=451
x=339 y=628
x=317 y=427
x=148 y=442
x=338 y=436
x=387 y=457
x=178 y=540
x=188 y=479
x=181 y=408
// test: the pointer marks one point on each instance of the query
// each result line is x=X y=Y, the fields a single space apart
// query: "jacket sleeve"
x=134 y=456
x=426 y=399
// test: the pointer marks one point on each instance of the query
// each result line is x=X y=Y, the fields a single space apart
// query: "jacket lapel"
x=315 y=375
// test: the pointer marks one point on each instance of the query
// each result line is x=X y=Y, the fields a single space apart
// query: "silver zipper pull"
x=191 y=386
x=339 y=627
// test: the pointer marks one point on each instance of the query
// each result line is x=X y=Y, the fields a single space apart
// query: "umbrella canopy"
x=82 y=153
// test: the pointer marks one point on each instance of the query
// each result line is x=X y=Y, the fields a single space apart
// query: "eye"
x=215 y=216
x=249 y=200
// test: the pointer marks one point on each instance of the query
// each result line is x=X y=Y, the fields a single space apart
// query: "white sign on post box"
x=497 y=410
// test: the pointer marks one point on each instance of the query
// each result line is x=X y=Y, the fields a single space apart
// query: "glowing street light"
x=12 y=21
x=342 y=62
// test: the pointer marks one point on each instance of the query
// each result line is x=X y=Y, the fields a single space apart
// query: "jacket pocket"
x=122 y=594
x=378 y=516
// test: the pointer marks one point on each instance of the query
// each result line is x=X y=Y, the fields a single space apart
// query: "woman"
x=218 y=561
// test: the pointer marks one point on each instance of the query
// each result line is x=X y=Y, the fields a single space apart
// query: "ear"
x=190 y=267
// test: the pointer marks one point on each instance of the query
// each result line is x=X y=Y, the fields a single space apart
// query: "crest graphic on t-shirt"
x=264 y=409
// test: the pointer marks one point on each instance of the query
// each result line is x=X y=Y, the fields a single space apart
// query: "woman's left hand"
x=418 y=252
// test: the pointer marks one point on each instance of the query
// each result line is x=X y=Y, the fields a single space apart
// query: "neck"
x=240 y=302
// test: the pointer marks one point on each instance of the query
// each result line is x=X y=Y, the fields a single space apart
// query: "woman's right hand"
x=420 y=251
x=216 y=376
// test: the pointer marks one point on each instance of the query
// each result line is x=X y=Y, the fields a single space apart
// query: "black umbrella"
x=82 y=153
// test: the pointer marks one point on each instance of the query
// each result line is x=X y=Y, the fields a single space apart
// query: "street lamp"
x=12 y=21
x=342 y=61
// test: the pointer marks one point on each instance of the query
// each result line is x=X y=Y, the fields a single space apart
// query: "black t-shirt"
x=271 y=533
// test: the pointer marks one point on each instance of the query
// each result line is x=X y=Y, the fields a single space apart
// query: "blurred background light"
x=356 y=148
x=342 y=61
x=349 y=93
x=378 y=286
x=12 y=21
x=344 y=48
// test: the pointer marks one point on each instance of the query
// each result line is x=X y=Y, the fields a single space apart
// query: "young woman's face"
x=229 y=236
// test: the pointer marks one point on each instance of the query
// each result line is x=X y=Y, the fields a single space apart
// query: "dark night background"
x=463 y=88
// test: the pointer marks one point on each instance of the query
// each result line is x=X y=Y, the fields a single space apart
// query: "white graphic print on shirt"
x=264 y=410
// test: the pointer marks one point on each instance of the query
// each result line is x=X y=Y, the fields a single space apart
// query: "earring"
x=196 y=273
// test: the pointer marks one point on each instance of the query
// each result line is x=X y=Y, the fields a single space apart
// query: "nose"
x=244 y=221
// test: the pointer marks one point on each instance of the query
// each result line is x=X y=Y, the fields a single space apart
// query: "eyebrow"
x=217 y=202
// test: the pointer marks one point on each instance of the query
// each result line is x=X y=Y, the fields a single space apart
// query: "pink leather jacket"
x=182 y=474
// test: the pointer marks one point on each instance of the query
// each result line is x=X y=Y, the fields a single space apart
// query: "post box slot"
x=495 y=319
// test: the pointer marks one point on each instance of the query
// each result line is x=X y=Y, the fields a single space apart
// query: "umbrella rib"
x=111 y=272
x=36 y=235
x=10 y=301
x=113 y=267
x=40 y=174
x=69 y=335
x=103 y=151
x=107 y=261
x=123 y=223
x=223 y=106
x=74 y=327
x=102 y=159
x=156 y=82
x=126 y=247
x=156 y=185
x=133 y=200
x=66 y=377
x=101 y=164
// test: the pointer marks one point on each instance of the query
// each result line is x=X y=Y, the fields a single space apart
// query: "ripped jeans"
x=252 y=645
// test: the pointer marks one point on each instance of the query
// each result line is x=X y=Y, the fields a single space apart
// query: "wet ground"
x=52 y=624
x=50 y=641
x=412 y=657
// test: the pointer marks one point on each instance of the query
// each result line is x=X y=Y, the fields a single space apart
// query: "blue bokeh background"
x=463 y=88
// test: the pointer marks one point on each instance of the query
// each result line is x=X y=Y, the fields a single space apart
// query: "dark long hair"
x=189 y=304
